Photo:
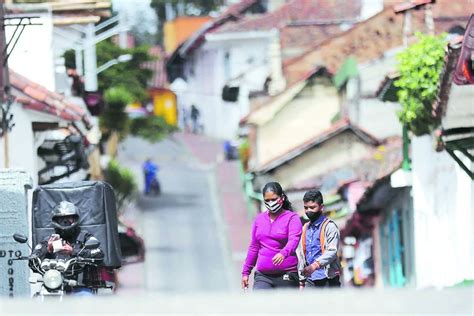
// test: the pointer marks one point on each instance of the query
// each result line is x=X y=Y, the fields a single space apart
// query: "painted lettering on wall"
x=10 y=255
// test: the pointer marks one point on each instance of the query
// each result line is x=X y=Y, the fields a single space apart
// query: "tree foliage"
x=420 y=66
x=151 y=128
x=131 y=74
x=123 y=182
x=114 y=118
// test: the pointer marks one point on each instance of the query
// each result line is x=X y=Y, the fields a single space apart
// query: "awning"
x=460 y=140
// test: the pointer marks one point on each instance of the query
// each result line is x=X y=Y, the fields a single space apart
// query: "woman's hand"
x=245 y=281
x=278 y=259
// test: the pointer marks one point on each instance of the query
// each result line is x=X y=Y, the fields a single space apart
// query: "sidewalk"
x=231 y=197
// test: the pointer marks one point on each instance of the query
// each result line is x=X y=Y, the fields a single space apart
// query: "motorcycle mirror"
x=92 y=244
x=20 y=238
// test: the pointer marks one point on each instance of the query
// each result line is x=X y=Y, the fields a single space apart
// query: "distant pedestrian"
x=320 y=241
x=275 y=237
x=195 y=114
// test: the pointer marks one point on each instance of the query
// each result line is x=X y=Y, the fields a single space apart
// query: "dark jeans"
x=281 y=281
x=334 y=282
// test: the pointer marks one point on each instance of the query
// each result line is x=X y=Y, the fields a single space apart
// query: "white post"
x=123 y=33
x=79 y=63
x=90 y=59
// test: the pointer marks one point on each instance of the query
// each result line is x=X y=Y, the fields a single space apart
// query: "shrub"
x=123 y=182
x=151 y=128
x=420 y=66
x=114 y=118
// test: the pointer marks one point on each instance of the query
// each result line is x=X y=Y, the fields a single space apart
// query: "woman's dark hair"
x=276 y=188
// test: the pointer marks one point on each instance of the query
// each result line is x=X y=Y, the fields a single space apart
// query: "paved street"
x=186 y=245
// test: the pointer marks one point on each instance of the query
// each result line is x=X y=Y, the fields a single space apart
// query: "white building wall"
x=22 y=143
x=369 y=112
x=33 y=54
x=443 y=217
x=208 y=71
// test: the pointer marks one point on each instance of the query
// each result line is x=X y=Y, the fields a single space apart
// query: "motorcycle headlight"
x=52 y=279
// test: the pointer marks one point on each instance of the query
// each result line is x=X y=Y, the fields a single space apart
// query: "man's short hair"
x=313 y=196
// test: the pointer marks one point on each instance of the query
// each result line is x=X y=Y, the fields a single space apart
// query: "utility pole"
x=3 y=85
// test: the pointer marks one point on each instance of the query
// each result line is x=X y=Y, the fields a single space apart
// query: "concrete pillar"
x=90 y=59
x=13 y=219
x=79 y=63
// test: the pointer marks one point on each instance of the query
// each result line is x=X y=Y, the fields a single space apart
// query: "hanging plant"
x=420 y=66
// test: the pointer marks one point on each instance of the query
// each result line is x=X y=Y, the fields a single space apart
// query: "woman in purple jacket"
x=275 y=237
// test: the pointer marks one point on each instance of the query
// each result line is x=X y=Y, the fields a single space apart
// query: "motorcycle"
x=155 y=188
x=59 y=276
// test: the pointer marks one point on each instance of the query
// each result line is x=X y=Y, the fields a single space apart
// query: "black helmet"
x=65 y=217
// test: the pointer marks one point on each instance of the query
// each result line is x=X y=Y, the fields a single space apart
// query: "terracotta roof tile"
x=369 y=39
x=36 y=97
x=298 y=11
x=35 y=93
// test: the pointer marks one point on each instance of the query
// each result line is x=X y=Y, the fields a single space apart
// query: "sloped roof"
x=336 y=129
x=232 y=13
x=379 y=162
x=298 y=12
x=36 y=97
x=365 y=41
x=369 y=39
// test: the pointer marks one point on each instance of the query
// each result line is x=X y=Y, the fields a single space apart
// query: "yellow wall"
x=180 y=29
x=164 y=105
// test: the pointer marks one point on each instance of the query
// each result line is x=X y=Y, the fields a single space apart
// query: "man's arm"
x=41 y=249
x=96 y=253
x=332 y=242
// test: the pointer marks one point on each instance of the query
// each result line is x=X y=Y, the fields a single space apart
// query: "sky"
x=138 y=12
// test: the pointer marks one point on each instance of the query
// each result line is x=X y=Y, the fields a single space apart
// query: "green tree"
x=114 y=118
x=420 y=66
x=151 y=128
x=129 y=74
x=123 y=182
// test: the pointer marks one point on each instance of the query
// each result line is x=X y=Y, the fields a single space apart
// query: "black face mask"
x=313 y=216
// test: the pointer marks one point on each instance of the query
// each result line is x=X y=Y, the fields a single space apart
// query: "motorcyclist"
x=69 y=240
x=150 y=170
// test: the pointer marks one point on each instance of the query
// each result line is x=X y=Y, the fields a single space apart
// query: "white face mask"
x=273 y=206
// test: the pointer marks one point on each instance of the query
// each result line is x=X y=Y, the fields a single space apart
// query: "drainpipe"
x=406 y=142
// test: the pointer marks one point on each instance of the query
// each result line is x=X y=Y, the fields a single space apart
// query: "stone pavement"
x=230 y=191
